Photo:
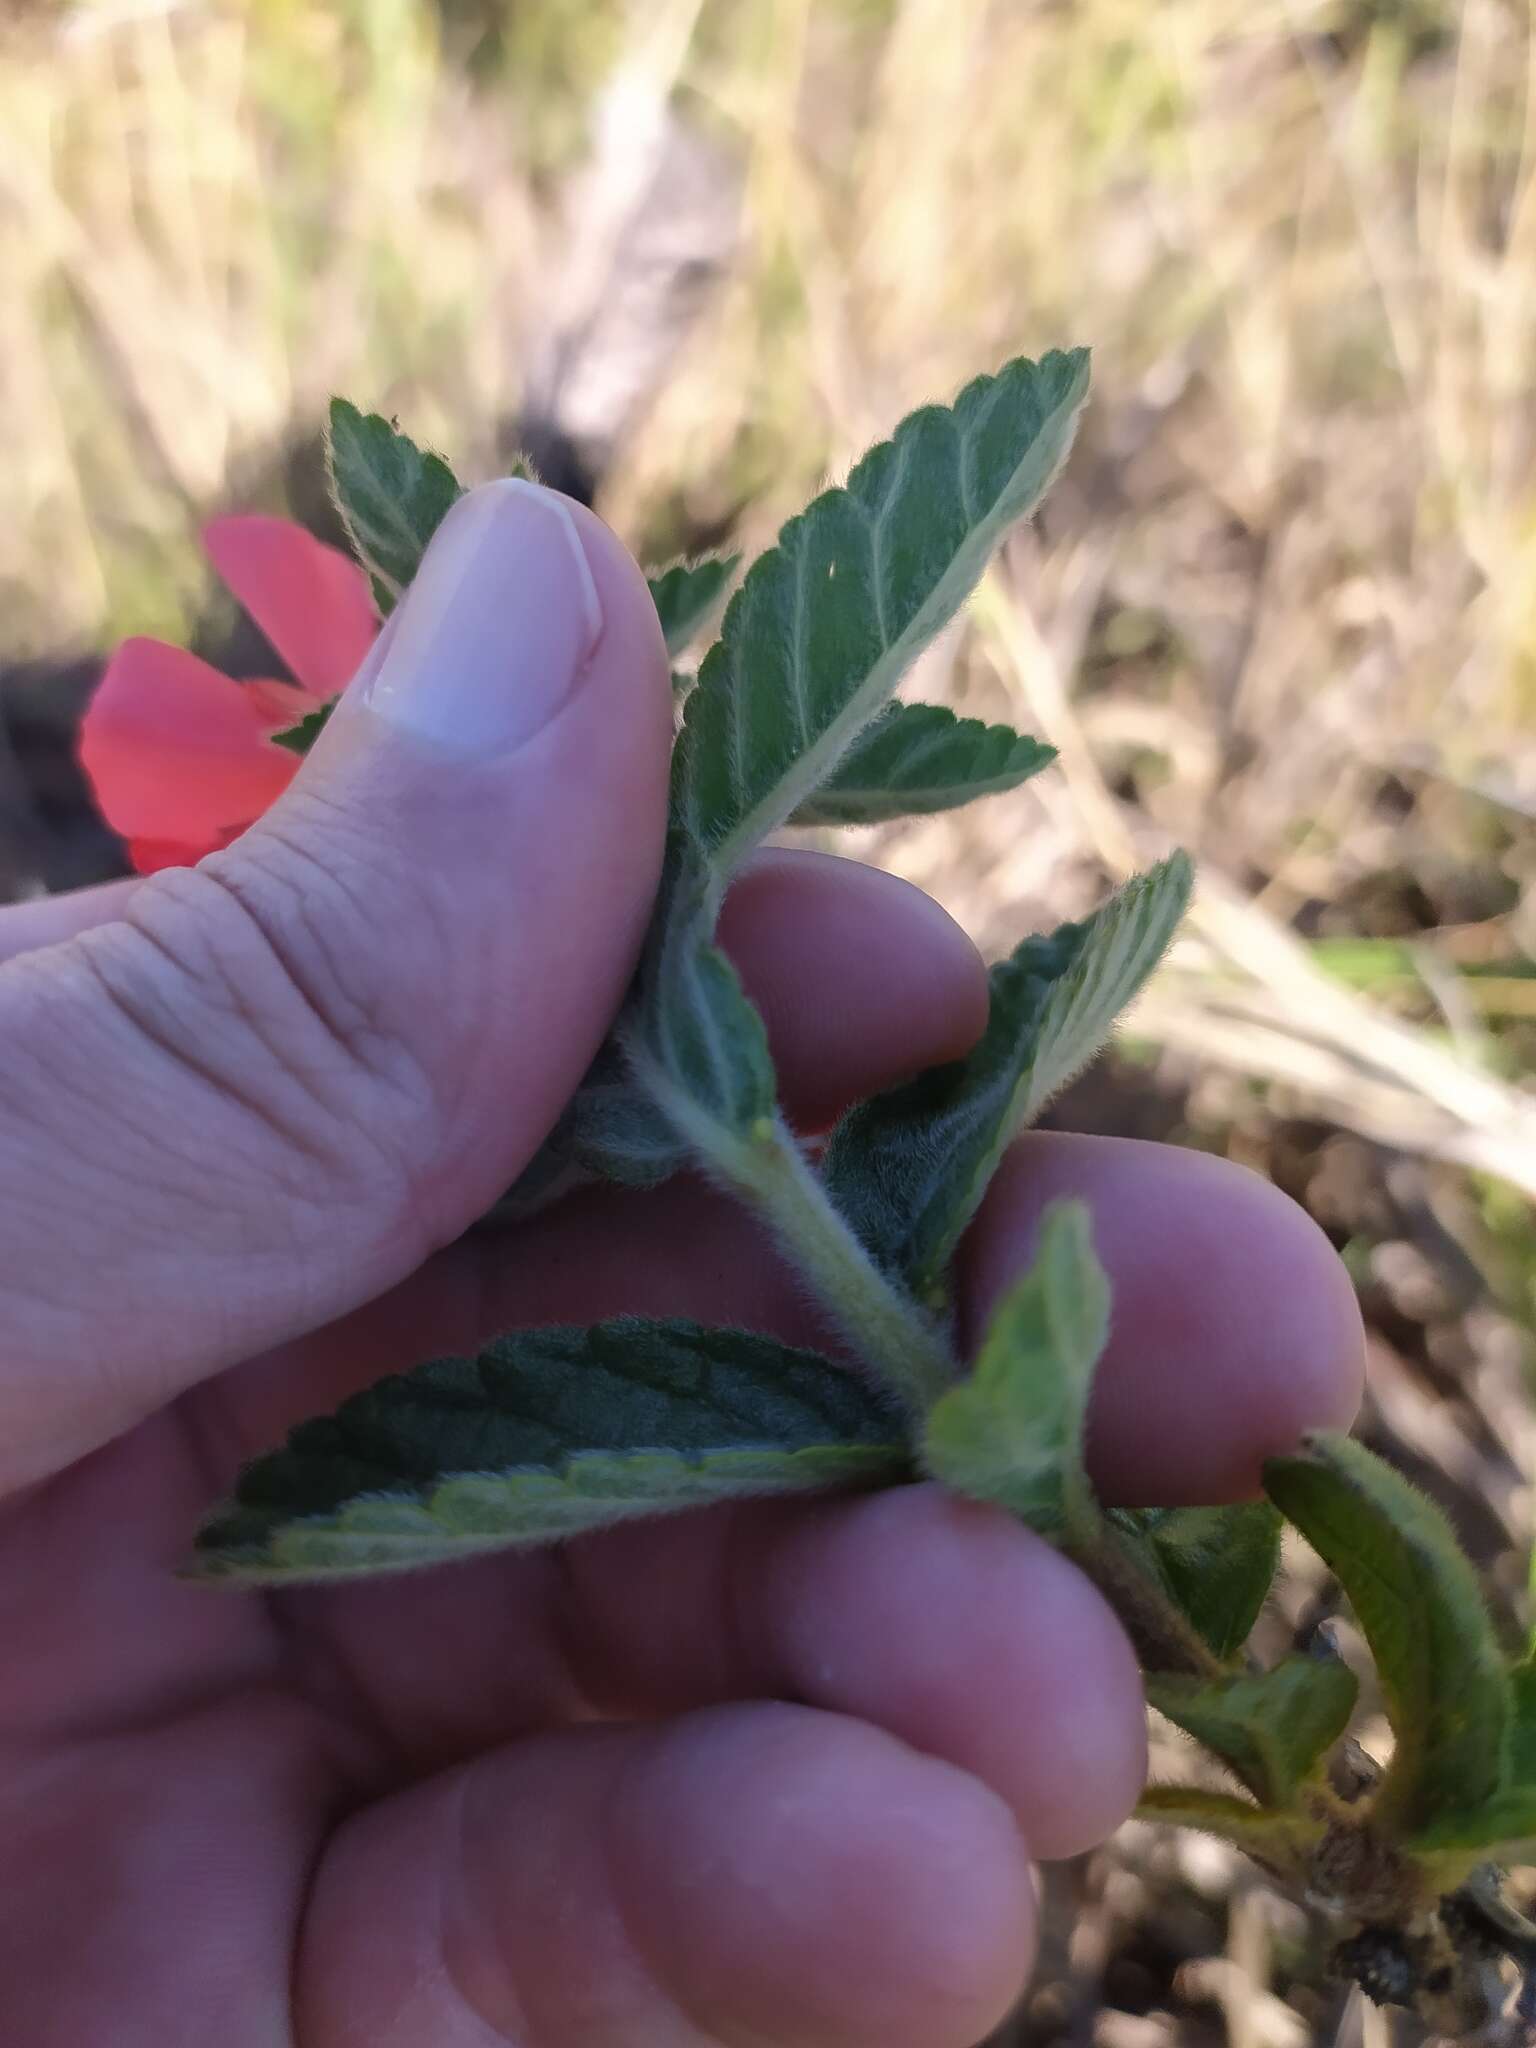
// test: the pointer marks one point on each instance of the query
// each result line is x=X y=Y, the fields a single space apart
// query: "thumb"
x=284 y=1077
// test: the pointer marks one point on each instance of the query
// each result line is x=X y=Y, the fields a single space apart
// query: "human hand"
x=774 y=1774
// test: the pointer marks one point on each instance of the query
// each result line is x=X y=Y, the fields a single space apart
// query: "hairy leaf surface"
x=1520 y=1747
x=687 y=1072
x=1417 y=1598
x=1270 y=1727
x=392 y=496
x=1012 y=1430
x=686 y=594
x=1217 y=1563
x=694 y=1041
x=915 y=759
x=909 y=1168
x=1504 y=1828
x=825 y=623
x=543 y=1434
x=610 y=1130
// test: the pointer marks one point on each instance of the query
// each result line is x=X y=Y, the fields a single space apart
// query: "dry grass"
x=1283 y=607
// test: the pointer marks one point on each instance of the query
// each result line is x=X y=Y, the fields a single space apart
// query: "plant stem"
x=1166 y=1643
x=887 y=1329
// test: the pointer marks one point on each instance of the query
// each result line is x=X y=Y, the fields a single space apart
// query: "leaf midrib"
x=813 y=767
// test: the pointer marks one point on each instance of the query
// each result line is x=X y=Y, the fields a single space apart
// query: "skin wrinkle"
x=348 y=1020
x=125 y=997
x=741 y=1616
x=317 y=1669
x=453 y=1869
x=187 y=1698
x=327 y=1080
x=151 y=1128
x=165 y=1144
x=569 y=1612
x=635 y=1760
x=303 y=1894
x=303 y=1783
x=281 y=844
x=536 y=1632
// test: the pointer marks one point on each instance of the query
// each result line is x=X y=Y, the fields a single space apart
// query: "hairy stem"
x=1165 y=1641
x=886 y=1328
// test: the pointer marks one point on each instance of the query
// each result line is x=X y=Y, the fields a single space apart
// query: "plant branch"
x=1165 y=1641
x=887 y=1329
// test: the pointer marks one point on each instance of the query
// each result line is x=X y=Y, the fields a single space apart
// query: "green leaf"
x=909 y=1168
x=1270 y=1727
x=392 y=496
x=1217 y=1563
x=298 y=739
x=918 y=758
x=687 y=593
x=1504 y=1828
x=613 y=1132
x=825 y=623
x=687 y=1073
x=1417 y=1599
x=546 y=1433
x=1012 y=1430
x=1281 y=1841
x=695 y=1043
x=1520 y=1745
x=609 y=1131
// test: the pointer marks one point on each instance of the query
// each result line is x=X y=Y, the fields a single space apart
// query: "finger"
x=44 y=920
x=887 y=1609
x=861 y=978
x=1235 y=1328
x=1235 y=1332
x=915 y=996
x=287 y=1075
x=748 y=1875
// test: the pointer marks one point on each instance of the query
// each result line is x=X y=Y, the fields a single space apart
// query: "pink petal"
x=311 y=601
x=278 y=704
x=149 y=856
x=176 y=753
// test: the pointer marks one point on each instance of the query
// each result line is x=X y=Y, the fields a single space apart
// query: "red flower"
x=180 y=757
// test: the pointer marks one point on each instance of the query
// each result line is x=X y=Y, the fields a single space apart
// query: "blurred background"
x=695 y=255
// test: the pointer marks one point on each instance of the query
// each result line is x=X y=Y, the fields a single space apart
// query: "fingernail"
x=497 y=627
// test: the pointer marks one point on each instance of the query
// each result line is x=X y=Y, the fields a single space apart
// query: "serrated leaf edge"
x=685 y=627
x=386 y=589
x=836 y=806
x=587 y=1490
x=815 y=764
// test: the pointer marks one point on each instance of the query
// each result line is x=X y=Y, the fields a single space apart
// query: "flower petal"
x=149 y=856
x=278 y=704
x=176 y=753
x=310 y=600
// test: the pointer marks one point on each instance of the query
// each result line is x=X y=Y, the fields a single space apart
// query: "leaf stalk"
x=884 y=1325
